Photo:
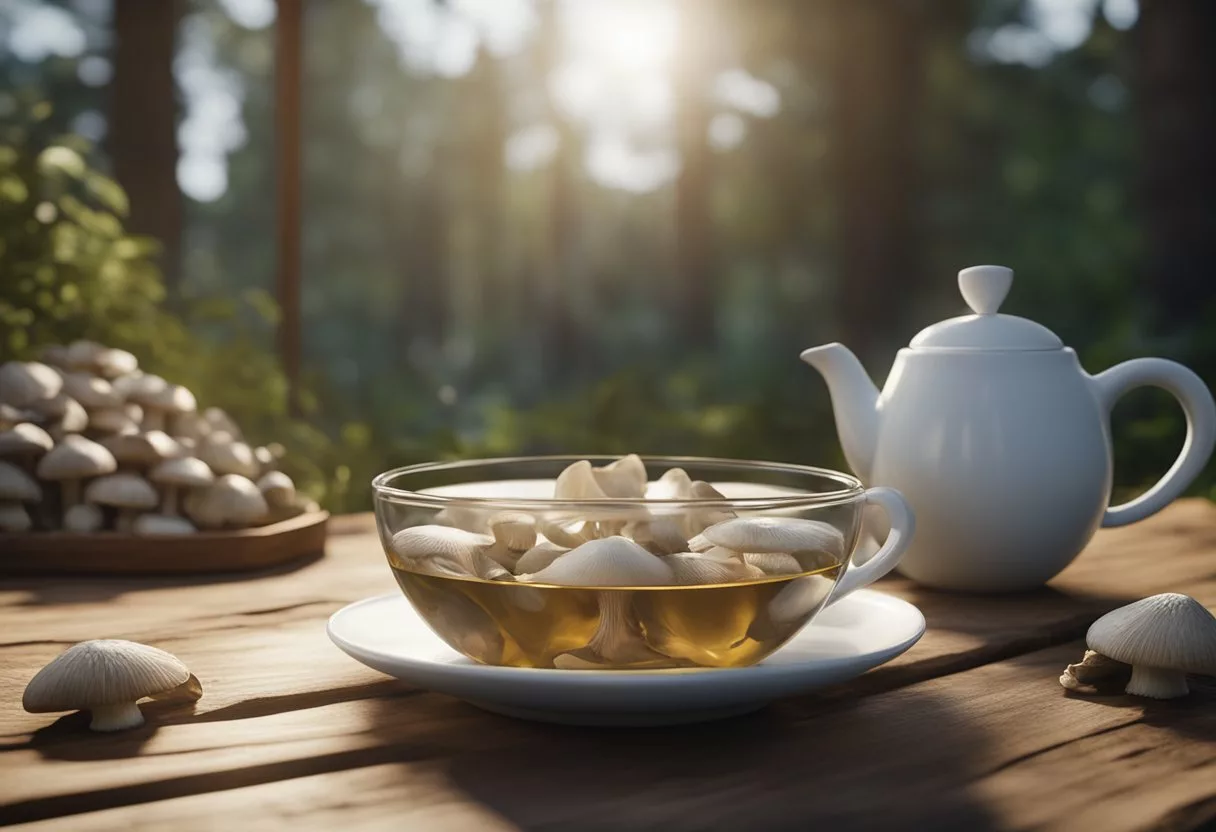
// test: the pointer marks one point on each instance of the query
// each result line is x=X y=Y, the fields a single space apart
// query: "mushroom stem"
x=154 y=419
x=168 y=506
x=615 y=637
x=1157 y=683
x=125 y=520
x=70 y=491
x=116 y=717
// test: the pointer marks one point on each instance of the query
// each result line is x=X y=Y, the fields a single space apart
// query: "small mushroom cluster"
x=90 y=442
x=1146 y=649
x=686 y=535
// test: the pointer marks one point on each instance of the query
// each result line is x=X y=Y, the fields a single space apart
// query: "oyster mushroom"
x=141 y=451
x=514 y=534
x=691 y=569
x=160 y=524
x=277 y=488
x=178 y=473
x=107 y=677
x=625 y=478
x=90 y=391
x=447 y=551
x=127 y=492
x=232 y=500
x=83 y=518
x=226 y=455
x=23 y=383
x=774 y=563
x=24 y=444
x=776 y=534
x=539 y=557
x=1163 y=638
x=72 y=460
x=610 y=562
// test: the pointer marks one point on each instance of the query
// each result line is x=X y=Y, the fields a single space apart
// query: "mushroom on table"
x=173 y=475
x=107 y=677
x=16 y=488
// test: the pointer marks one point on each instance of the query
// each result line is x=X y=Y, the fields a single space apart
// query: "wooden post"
x=142 y=132
x=288 y=83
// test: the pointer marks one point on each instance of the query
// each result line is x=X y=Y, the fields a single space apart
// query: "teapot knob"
x=985 y=287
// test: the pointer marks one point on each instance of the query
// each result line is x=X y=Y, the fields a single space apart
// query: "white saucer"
x=860 y=632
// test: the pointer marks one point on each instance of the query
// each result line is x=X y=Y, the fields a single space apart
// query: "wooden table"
x=968 y=730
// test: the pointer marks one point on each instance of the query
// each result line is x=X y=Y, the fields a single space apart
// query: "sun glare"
x=624 y=36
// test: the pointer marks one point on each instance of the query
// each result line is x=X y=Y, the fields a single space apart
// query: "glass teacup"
x=717 y=566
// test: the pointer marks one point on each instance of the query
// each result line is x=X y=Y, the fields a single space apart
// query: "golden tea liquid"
x=539 y=625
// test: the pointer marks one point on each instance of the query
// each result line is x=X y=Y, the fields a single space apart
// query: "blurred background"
x=382 y=231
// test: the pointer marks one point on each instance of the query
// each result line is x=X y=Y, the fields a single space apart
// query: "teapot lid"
x=984 y=288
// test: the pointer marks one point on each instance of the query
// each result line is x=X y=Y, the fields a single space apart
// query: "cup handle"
x=903 y=524
x=1197 y=404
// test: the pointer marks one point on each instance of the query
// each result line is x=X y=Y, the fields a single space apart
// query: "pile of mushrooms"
x=89 y=442
x=1146 y=649
x=687 y=537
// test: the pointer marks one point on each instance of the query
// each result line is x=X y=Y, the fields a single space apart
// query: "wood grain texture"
x=999 y=746
x=288 y=722
x=239 y=550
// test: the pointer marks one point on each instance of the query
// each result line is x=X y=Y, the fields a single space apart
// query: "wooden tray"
x=110 y=553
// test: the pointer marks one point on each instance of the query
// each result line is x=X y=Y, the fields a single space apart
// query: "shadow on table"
x=79 y=589
x=773 y=769
x=61 y=740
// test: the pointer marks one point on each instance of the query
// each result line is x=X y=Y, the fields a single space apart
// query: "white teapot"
x=1001 y=441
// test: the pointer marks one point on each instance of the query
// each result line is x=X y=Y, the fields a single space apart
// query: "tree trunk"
x=1177 y=68
x=878 y=79
x=143 y=114
x=694 y=251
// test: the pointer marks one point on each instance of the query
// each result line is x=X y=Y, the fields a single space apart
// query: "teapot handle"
x=1200 y=410
x=903 y=524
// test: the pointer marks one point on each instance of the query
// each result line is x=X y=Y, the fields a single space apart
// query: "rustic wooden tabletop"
x=968 y=730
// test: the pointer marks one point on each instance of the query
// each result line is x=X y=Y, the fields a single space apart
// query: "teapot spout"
x=854 y=401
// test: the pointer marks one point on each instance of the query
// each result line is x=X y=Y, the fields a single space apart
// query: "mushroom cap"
x=90 y=391
x=142 y=388
x=675 y=484
x=17 y=485
x=232 y=500
x=1168 y=631
x=691 y=569
x=160 y=524
x=578 y=482
x=608 y=561
x=625 y=478
x=112 y=362
x=75 y=457
x=776 y=534
x=83 y=518
x=277 y=488
x=226 y=456
x=56 y=355
x=74 y=418
x=124 y=385
x=142 y=449
x=185 y=471
x=112 y=420
x=219 y=420
x=102 y=672
x=23 y=439
x=24 y=382
x=14 y=518
x=82 y=354
x=155 y=392
x=122 y=491
x=11 y=416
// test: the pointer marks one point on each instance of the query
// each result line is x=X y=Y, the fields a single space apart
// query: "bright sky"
x=613 y=77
